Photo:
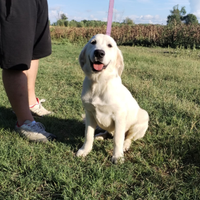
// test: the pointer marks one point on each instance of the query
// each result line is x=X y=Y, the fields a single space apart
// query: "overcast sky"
x=141 y=11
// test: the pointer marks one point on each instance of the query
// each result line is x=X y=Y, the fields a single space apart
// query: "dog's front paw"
x=118 y=159
x=82 y=153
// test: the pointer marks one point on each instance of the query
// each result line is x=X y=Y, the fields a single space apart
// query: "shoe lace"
x=42 y=100
x=40 y=105
x=37 y=126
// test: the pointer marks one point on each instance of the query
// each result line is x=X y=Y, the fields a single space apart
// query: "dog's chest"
x=101 y=111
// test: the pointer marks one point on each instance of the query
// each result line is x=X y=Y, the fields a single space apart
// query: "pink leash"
x=110 y=16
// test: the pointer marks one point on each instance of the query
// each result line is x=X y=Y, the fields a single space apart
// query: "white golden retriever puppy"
x=107 y=102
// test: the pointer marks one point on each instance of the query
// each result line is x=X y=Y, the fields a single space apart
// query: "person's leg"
x=20 y=85
x=31 y=78
x=34 y=103
x=15 y=83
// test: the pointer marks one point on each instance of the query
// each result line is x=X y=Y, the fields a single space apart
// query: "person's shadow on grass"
x=71 y=132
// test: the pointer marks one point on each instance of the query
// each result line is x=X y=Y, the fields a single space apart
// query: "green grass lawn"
x=165 y=164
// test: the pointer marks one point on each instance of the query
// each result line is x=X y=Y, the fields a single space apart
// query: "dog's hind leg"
x=138 y=130
x=102 y=135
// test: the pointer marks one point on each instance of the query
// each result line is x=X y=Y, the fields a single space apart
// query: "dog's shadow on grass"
x=68 y=131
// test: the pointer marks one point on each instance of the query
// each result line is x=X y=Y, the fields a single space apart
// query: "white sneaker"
x=34 y=131
x=38 y=109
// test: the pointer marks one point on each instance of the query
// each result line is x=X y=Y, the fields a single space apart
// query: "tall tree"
x=128 y=21
x=63 y=17
x=63 y=21
x=190 y=19
x=176 y=15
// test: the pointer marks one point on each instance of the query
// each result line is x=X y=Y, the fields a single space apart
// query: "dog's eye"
x=93 y=42
x=110 y=45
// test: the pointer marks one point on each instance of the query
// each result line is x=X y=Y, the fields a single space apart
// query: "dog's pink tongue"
x=98 y=67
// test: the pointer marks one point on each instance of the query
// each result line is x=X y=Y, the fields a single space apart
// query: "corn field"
x=187 y=36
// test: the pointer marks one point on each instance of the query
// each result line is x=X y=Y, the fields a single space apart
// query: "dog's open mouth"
x=97 y=66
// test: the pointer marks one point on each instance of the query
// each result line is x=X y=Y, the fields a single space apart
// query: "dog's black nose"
x=99 y=53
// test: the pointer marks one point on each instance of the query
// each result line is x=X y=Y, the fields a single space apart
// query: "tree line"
x=177 y=16
x=63 y=21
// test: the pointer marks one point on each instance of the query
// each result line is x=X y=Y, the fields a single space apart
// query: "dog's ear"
x=82 y=56
x=120 y=62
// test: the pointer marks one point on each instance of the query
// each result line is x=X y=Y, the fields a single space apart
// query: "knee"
x=143 y=116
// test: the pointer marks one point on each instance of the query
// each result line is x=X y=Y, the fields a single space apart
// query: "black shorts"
x=24 y=33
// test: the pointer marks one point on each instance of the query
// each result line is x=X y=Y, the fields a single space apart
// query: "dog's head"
x=101 y=55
